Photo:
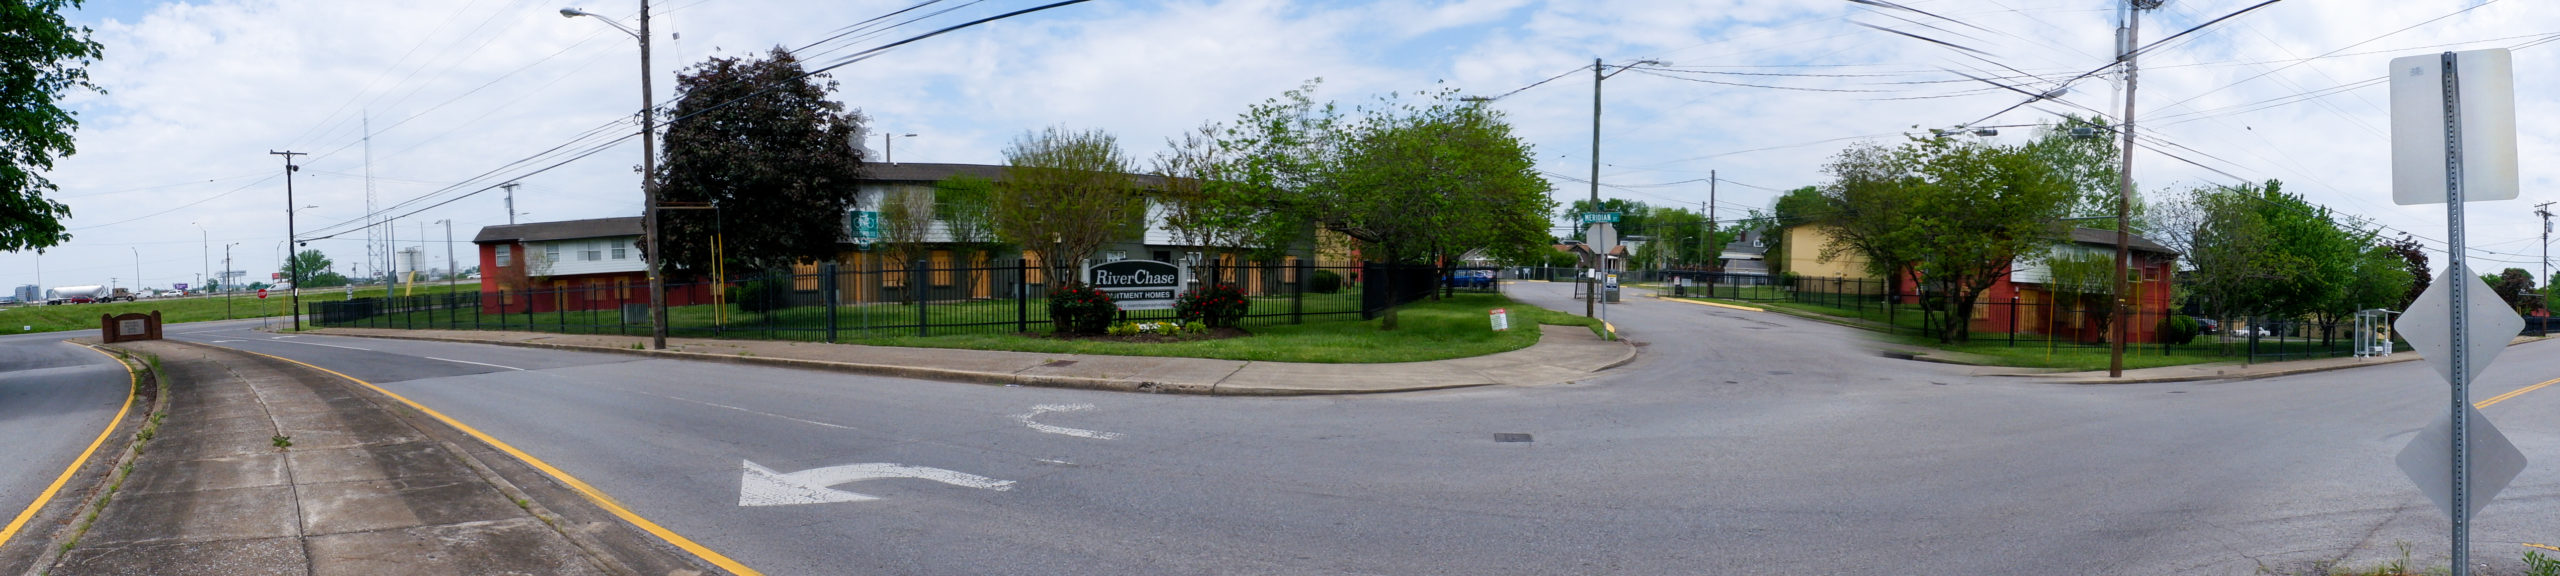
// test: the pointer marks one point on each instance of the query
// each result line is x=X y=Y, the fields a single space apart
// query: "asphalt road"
x=1738 y=442
x=55 y=397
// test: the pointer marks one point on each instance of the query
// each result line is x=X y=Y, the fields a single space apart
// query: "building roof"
x=2099 y=237
x=930 y=172
x=563 y=230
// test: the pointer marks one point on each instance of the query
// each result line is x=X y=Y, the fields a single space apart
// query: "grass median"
x=66 y=317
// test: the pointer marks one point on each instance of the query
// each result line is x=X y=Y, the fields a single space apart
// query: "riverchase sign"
x=1138 y=284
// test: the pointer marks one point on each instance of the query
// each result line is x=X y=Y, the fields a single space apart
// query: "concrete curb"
x=54 y=544
x=2217 y=377
x=969 y=377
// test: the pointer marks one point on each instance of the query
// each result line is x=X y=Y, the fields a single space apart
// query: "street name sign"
x=1598 y=217
x=2485 y=95
x=1138 y=284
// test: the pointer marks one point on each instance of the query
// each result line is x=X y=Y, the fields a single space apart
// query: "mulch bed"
x=1212 y=334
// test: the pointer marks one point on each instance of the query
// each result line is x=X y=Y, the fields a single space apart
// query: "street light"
x=889 y=147
x=648 y=167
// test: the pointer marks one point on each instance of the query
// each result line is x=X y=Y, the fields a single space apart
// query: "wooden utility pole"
x=2124 y=188
x=292 y=250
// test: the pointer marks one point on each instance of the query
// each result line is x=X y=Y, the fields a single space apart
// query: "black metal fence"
x=2033 y=318
x=846 y=303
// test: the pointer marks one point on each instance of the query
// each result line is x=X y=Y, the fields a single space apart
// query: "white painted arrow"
x=1036 y=411
x=763 y=486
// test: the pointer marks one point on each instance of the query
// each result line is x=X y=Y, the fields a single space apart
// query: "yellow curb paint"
x=131 y=380
x=2518 y=392
x=2542 y=546
x=1717 y=304
x=590 y=492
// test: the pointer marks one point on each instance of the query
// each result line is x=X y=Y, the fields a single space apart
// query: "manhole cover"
x=1779 y=372
x=1510 y=437
x=1057 y=363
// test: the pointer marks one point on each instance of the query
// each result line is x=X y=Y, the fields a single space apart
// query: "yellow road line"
x=1716 y=304
x=2518 y=392
x=2543 y=546
x=132 y=380
x=590 y=492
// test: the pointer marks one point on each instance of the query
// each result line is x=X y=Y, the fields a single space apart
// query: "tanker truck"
x=75 y=294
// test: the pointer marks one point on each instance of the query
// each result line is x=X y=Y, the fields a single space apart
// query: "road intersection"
x=1737 y=441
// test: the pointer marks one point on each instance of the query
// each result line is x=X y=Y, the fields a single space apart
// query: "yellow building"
x=1803 y=256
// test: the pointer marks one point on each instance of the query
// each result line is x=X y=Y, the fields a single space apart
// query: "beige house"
x=1803 y=256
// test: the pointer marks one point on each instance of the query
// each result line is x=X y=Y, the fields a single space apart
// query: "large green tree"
x=1869 y=208
x=1064 y=194
x=1426 y=182
x=757 y=140
x=41 y=58
x=1977 y=209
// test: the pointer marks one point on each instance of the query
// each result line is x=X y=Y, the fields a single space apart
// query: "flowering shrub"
x=1217 y=305
x=1163 y=328
x=1080 y=309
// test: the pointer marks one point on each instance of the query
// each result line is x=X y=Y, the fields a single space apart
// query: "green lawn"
x=42 y=318
x=1456 y=327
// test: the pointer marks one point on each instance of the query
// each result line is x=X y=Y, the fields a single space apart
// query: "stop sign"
x=262 y=293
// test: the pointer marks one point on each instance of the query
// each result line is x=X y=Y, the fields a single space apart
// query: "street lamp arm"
x=573 y=13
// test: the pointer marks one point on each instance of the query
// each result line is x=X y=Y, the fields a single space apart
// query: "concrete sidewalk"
x=2237 y=371
x=262 y=466
x=1562 y=354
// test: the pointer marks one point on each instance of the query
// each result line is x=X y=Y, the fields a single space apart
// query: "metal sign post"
x=2463 y=433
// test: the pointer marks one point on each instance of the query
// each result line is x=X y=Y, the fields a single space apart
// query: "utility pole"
x=649 y=191
x=2544 y=210
x=1712 y=226
x=2125 y=45
x=226 y=280
x=1600 y=251
x=511 y=202
x=289 y=233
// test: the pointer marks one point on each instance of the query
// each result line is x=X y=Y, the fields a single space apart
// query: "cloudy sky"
x=460 y=95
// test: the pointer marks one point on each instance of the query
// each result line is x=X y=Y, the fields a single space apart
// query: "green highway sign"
x=1597 y=217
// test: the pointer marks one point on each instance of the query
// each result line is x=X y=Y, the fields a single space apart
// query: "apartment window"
x=619 y=252
x=591 y=252
x=551 y=252
x=504 y=255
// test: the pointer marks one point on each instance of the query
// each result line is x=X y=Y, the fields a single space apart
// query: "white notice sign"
x=2485 y=82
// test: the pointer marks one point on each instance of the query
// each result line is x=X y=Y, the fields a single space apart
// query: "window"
x=551 y=252
x=1115 y=256
x=619 y=252
x=591 y=252
x=504 y=254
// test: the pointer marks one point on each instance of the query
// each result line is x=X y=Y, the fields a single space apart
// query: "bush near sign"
x=1138 y=284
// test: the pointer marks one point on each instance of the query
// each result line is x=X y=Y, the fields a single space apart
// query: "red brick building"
x=571 y=265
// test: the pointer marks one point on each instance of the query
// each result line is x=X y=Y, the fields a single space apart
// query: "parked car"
x=1470 y=279
x=2208 y=326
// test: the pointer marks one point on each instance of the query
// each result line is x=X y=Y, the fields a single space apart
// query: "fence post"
x=1021 y=295
x=1298 y=294
x=2013 y=319
x=916 y=278
x=827 y=296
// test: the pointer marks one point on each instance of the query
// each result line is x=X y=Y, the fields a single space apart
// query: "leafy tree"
x=1869 y=208
x=1426 y=183
x=2413 y=257
x=41 y=57
x=758 y=140
x=906 y=222
x=2515 y=286
x=306 y=265
x=1205 y=205
x=966 y=206
x=2084 y=280
x=1063 y=195
x=1977 y=209
x=2082 y=151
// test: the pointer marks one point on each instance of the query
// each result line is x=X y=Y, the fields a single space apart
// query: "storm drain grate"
x=1510 y=437
x=1057 y=363
x=1779 y=373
